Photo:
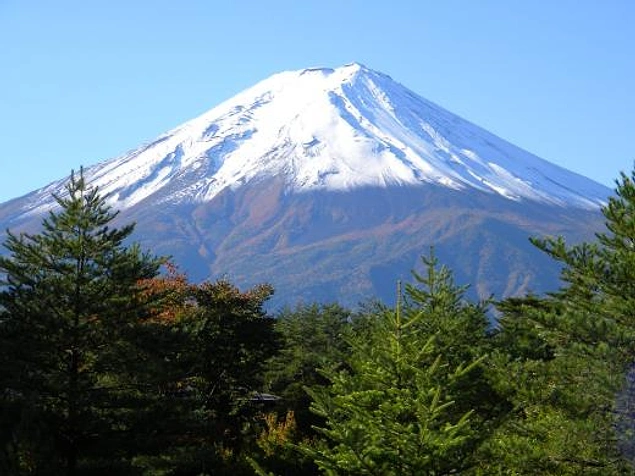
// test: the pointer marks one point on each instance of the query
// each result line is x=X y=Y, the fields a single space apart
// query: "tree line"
x=112 y=362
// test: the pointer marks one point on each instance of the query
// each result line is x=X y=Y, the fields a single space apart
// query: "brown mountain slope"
x=349 y=246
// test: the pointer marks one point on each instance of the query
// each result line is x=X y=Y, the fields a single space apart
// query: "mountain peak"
x=333 y=129
x=247 y=190
x=354 y=69
x=349 y=68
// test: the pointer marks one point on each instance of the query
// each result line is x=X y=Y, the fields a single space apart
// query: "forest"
x=113 y=363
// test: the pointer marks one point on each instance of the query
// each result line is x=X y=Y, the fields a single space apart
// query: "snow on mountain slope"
x=332 y=129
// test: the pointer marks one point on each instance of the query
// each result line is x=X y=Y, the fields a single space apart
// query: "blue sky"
x=83 y=81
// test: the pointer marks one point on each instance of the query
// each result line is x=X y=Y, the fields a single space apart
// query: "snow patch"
x=334 y=129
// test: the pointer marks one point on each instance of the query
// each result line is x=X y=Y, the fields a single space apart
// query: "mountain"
x=329 y=183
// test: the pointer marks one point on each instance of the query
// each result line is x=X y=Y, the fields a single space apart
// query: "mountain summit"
x=330 y=183
x=333 y=129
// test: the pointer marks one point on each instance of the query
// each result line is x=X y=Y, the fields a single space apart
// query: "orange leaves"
x=170 y=294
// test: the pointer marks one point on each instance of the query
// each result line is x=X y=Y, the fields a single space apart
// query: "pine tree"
x=394 y=407
x=563 y=359
x=561 y=380
x=70 y=301
x=600 y=277
x=600 y=291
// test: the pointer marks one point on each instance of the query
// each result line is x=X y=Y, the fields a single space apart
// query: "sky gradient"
x=86 y=81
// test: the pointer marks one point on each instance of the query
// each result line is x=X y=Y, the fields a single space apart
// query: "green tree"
x=310 y=337
x=233 y=338
x=214 y=340
x=560 y=377
x=599 y=298
x=563 y=359
x=70 y=300
x=599 y=277
x=395 y=406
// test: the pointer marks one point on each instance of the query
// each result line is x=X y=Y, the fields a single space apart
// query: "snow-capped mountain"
x=329 y=183
x=331 y=129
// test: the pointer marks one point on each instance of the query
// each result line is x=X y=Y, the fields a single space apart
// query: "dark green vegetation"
x=108 y=366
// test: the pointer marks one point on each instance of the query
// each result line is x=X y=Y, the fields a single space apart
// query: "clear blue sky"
x=83 y=81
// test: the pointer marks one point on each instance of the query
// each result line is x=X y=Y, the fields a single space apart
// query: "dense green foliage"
x=396 y=407
x=568 y=356
x=311 y=337
x=213 y=341
x=69 y=307
x=109 y=367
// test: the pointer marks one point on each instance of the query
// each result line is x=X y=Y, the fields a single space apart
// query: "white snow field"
x=331 y=129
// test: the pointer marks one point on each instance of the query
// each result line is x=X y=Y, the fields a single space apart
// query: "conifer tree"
x=311 y=337
x=563 y=359
x=70 y=300
x=394 y=407
x=600 y=276
x=561 y=380
x=600 y=292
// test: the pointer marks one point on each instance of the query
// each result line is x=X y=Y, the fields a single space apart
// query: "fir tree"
x=395 y=408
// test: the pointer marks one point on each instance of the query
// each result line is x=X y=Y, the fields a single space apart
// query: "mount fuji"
x=329 y=183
